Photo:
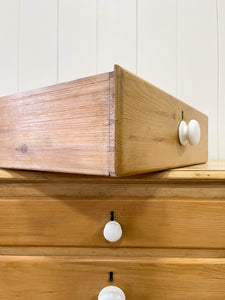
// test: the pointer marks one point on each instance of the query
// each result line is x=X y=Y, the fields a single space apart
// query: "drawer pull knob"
x=111 y=293
x=112 y=231
x=194 y=132
x=189 y=133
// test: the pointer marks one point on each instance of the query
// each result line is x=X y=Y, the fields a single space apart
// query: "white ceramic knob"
x=194 y=132
x=189 y=133
x=112 y=231
x=111 y=293
x=183 y=133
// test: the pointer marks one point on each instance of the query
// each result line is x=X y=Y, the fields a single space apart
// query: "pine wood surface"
x=61 y=188
x=153 y=223
x=41 y=277
x=52 y=244
x=147 y=122
x=111 y=124
x=110 y=251
x=204 y=181
x=58 y=128
x=213 y=170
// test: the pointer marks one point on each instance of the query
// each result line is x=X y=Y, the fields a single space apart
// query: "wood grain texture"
x=143 y=278
x=113 y=124
x=212 y=171
x=203 y=181
x=147 y=121
x=58 y=128
x=110 y=251
x=153 y=223
x=110 y=124
x=82 y=188
x=99 y=189
x=52 y=246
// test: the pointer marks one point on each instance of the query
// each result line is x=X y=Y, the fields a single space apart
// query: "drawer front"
x=70 y=278
x=147 y=126
x=145 y=222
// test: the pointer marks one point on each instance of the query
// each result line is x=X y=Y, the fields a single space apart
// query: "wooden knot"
x=24 y=149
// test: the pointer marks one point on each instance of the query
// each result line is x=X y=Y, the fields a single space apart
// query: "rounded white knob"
x=112 y=231
x=183 y=133
x=189 y=133
x=111 y=293
x=194 y=132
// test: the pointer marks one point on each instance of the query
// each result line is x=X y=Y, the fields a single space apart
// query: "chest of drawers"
x=172 y=245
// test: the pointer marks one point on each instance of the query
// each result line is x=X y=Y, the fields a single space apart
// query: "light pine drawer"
x=108 y=124
x=69 y=278
x=145 y=222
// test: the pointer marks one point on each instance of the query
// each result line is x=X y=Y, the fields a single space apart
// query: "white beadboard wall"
x=178 y=45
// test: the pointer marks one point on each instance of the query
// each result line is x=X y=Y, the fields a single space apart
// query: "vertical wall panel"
x=197 y=72
x=8 y=46
x=37 y=43
x=77 y=38
x=171 y=43
x=116 y=34
x=157 y=43
x=221 y=32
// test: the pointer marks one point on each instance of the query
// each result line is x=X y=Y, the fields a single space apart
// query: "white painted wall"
x=178 y=45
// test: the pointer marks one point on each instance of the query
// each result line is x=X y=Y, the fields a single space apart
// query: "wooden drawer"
x=146 y=222
x=69 y=278
x=109 y=124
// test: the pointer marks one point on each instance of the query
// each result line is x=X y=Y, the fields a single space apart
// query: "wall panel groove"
x=157 y=43
x=38 y=44
x=117 y=34
x=9 y=17
x=198 y=61
x=77 y=39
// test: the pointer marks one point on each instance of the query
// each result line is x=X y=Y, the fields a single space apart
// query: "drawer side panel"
x=61 y=128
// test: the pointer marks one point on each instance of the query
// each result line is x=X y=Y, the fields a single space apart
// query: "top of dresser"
x=210 y=171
